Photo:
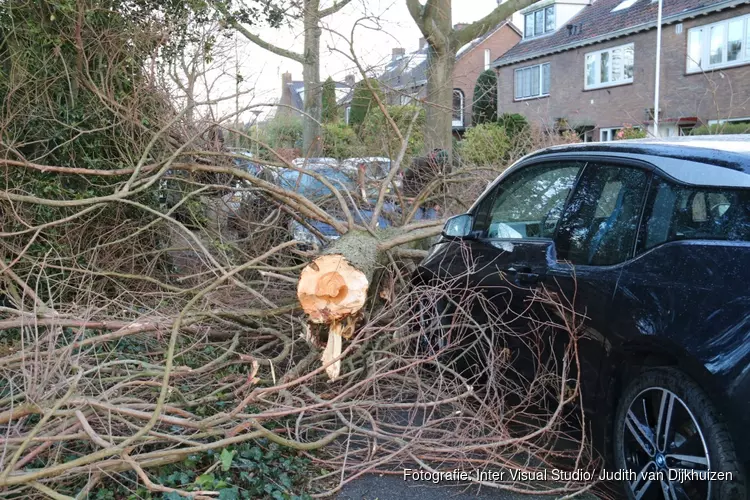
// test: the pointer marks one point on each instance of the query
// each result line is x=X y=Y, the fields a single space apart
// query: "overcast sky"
x=263 y=70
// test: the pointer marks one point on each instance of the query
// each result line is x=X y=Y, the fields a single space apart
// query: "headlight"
x=302 y=234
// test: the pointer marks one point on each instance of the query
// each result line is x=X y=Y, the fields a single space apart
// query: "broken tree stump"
x=334 y=287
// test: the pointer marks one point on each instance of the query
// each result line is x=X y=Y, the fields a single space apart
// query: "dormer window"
x=539 y=22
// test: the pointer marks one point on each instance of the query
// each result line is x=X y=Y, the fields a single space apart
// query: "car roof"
x=369 y=159
x=715 y=161
x=728 y=151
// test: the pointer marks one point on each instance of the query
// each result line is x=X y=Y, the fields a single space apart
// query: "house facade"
x=292 y=99
x=595 y=70
x=404 y=79
x=474 y=59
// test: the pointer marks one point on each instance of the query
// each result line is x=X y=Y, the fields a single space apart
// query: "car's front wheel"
x=672 y=439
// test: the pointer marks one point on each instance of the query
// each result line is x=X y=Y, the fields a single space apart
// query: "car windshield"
x=311 y=187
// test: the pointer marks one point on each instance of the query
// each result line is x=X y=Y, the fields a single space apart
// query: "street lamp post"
x=658 y=69
x=257 y=132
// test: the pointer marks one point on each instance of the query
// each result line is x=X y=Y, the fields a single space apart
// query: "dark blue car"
x=651 y=243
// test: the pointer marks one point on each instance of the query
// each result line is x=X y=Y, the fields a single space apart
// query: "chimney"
x=422 y=43
x=286 y=78
x=397 y=54
x=459 y=26
x=286 y=93
x=349 y=81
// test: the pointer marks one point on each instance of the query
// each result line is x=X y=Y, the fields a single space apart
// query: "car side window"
x=529 y=203
x=675 y=212
x=600 y=224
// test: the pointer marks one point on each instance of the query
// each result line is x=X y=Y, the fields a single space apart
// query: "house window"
x=458 y=108
x=686 y=130
x=532 y=81
x=608 y=134
x=609 y=67
x=539 y=22
x=486 y=59
x=719 y=45
x=624 y=5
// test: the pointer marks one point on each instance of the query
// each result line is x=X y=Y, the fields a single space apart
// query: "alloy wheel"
x=664 y=445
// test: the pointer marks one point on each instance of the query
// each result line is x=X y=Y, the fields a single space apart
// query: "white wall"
x=516 y=18
x=564 y=12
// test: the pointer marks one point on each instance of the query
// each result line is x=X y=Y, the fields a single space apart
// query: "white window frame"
x=597 y=60
x=541 y=82
x=347 y=113
x=611 y=132
x=487 y=61
x=545 y=31
x=729 y=120
x=459 y=123
x=705 y=46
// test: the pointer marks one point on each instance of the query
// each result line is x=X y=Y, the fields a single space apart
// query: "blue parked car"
x=315 y=190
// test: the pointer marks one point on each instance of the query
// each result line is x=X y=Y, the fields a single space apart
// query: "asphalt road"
x=376 y=487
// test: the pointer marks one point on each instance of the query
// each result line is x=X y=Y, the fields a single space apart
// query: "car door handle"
x=515 y=269
x=522 y=274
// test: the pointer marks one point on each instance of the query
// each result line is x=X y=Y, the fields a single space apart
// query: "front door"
x=510 y=255
x=596 y=237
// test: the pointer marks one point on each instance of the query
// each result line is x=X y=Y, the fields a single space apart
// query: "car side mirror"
x=459 y=226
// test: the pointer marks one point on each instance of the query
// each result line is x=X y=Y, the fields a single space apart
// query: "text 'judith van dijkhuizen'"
x=582 y=476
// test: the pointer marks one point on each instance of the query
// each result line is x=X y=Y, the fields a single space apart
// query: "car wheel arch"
x=636 y=356
x=639 y=354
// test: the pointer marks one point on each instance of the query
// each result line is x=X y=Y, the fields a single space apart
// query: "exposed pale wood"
x=333 y=289
x=333 y=351
x=330 y=289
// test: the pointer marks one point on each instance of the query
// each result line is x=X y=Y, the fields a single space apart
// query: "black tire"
x=696 y=431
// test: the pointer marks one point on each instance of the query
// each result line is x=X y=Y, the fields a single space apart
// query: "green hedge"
x=722 y=129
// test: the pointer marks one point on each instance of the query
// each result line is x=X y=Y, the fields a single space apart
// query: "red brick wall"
x=471 y=64
x=716 y=95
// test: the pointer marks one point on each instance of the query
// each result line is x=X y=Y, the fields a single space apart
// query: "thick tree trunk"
x=438 y=21
x=435 y=22
x=311 y=132
x=439 y=114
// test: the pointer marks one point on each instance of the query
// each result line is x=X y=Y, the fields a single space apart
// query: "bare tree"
x=135 y=336
x=312 y=14
x=434 y=20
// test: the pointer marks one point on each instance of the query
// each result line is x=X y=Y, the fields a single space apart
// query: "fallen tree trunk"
x=334 y=288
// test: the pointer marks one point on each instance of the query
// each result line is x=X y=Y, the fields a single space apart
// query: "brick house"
x=592 y=68
x=405 y=77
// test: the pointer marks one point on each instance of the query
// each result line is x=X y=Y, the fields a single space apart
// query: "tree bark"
x=310 y=60
x=439 y=114
x=435 y=22
x=311 y=131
